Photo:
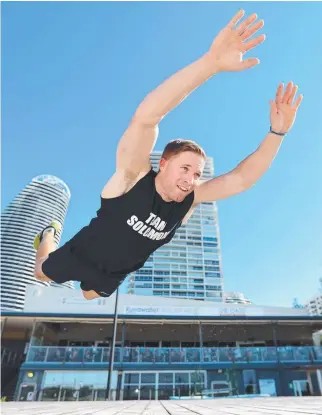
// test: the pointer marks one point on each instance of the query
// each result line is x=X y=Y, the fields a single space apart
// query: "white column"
x=309 y=380
x=319 y=376
x=59 y=395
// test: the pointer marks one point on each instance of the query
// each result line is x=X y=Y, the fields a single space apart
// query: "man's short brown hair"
x=177 y=146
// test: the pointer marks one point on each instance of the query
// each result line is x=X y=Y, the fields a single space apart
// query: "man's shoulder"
x=122 y=182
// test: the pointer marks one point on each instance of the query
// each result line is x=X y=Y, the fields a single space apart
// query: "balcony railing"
x=135 y=355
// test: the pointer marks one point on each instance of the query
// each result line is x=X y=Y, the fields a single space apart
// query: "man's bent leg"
x=46 y=246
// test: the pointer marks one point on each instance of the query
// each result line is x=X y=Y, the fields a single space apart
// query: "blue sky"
x=74 y=73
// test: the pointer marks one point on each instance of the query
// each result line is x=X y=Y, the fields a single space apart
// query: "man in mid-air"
x=141 y=209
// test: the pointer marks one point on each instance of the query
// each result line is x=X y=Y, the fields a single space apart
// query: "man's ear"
x=162 y=164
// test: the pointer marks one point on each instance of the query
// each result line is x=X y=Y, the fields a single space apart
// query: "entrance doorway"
x=27 y=392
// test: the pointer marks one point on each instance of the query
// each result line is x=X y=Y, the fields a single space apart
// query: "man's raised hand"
x=284 y=108
x=232 y=42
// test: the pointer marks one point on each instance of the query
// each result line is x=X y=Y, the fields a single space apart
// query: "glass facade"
x=169 y=359
x=162 y=385
x=77 y=385
x=190 y=265
x=138 y=373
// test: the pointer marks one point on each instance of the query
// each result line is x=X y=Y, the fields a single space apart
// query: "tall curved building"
x=44 y=199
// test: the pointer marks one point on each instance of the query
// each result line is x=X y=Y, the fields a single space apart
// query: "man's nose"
x=189 y=180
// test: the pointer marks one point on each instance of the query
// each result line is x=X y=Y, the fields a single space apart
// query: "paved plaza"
x=242 y=406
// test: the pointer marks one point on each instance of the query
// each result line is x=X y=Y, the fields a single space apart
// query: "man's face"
x=180 y=174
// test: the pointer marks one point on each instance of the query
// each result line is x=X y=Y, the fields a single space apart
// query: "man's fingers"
x=236 y=19
x=297 y=102
x=253 y=43
x=279 y=93
x=244 y=25
x=249 y=63
x=251 y=30
x=292 y=95
x=288 y=92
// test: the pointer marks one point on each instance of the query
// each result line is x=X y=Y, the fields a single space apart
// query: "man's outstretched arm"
x=250 y=170
x=225 y=54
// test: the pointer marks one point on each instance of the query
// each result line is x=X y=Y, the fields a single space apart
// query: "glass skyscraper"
x=43 y=200
x=190 y=265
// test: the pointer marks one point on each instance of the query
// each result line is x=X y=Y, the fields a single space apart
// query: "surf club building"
x=165 y=348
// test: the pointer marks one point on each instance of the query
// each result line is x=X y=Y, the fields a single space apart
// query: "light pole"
x=111 y=359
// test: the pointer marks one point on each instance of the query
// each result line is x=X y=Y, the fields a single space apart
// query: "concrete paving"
x=239 y=406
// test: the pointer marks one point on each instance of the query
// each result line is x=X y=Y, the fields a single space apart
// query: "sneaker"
x=56 y=226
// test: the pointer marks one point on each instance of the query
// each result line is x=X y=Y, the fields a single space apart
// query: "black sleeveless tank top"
x=130 y=227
